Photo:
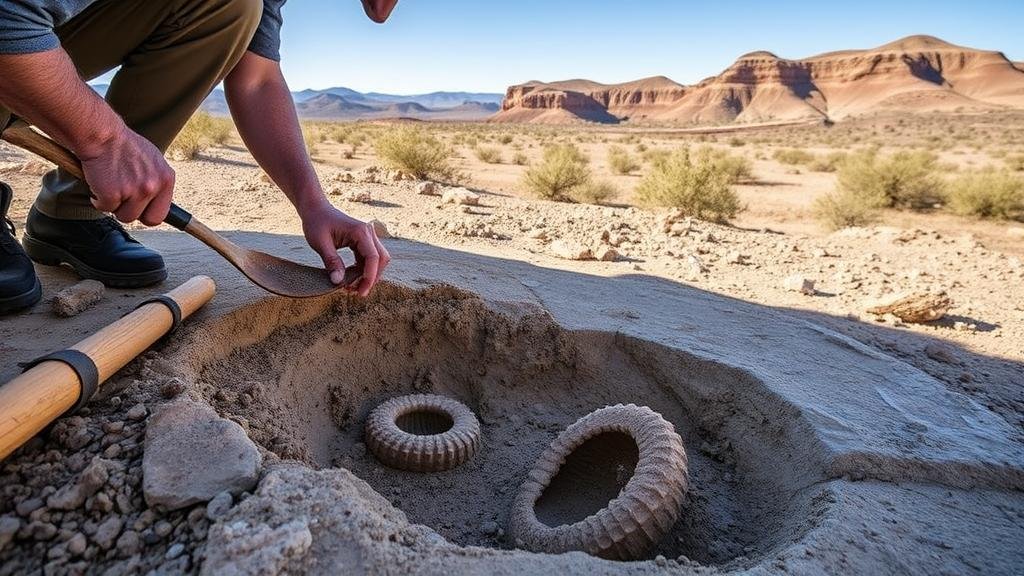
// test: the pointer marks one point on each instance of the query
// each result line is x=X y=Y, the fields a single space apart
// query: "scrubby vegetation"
x=200 y=132
x=595 y=192
x=843 y=209
x=988 y=193
x=903 y=180
x=488 y=154
x=562 y=172
x=738 y=168
x=694 y=183
x=621 y=161
x=793 y=156
x=416 y=152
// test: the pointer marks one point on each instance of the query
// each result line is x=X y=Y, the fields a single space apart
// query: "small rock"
x=799 y=283
x=694 y=267
x=427 y=189
x=137 y=412
x=380 y=229
x=460 y=196
x=174 y=551
x=537 y=234
x=72 y=496
x=940 y=353
x=361 y=196
x=192 y=454
x=219 y=506
x=9 y=526
x=163 y=528
x=489 y=528
x=171 y=388
x=916 y=308
x=76 y=544
x=129 y=543
x=28 y=506
x=607 y=254
x=570 y=251
x=77 y=298
x=735 y=257
x=107 y=532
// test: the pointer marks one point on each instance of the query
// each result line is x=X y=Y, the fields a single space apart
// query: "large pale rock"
x=192 y=454
x=460 y=196
x=77 y=298
x=570 y=250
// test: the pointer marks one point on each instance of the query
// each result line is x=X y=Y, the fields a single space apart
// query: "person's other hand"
x=130 y=178
x=379 y=10
x=327 y=229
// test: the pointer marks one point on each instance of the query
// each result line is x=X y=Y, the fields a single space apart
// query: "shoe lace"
x=9 y=225
x=109 y=224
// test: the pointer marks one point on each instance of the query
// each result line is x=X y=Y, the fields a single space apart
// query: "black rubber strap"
x=171 y=305
x=83 y=366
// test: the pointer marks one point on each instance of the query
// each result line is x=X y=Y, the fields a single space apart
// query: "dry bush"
x=827 y=163
x=416 y=152
x=693 y=183
x=488 y=154
x=505 y=139
x=562 y=171
x=312 y=136
x=903 y=180
x=843 y=209
x=621 y=161
x=200 y=132
x=520 y=159
x=988 y=193
x=1015 y=163
x=738 y=168
x=793 y=156
x=594 y=192
x=656 y=156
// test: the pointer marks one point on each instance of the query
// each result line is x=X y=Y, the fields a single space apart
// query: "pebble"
x=176 y=549
x=799 y=283
x=129 y=543
x=9 y=526
x=107 y=532
x=427 y=189
x=219 y=506
x=380 y=229
x=489 y=528
x=172 y=388
x=26 y=507
x=77 y=544
x=137 y=412
x=460 y=196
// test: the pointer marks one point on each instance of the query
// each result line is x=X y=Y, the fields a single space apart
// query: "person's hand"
x=327 y=229
x=130 y=178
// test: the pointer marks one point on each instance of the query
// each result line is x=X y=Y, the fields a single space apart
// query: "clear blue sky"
x=486 y=45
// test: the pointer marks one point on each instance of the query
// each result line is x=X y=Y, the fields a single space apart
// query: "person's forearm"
x=264 y=113
x=44 y=88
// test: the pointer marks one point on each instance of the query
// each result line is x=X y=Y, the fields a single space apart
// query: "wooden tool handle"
x=19 y=133
x=33 y=400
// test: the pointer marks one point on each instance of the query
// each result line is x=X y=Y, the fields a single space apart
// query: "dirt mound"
x=303 y=392
x=913 y=74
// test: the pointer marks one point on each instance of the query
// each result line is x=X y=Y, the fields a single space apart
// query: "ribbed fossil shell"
x=422 y=433
x=628 y=525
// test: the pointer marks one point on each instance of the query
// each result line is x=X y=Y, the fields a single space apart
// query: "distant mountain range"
x=342 y=103
x=911 y=75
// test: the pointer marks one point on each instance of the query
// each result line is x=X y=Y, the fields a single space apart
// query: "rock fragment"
x=107 y=532
x=427 y=189
x=799 y=283
x=916 y=308
x=570 y=251
x=192 y=454
x=380 y=229
x=259 y=549
x=606 y=254
x=9 y=526
x=77 y=298
x=460 y=196
x=360 y=196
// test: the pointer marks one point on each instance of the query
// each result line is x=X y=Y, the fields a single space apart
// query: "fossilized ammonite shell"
x=611 y=485
x=422 y=433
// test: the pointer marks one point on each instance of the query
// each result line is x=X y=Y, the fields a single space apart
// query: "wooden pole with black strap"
x=63 y=381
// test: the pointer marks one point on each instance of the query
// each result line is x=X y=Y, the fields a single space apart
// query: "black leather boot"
x=19 y=285
x=97 y=249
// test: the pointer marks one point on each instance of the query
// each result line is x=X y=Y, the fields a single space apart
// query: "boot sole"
x=50 y=255
x=22 y=301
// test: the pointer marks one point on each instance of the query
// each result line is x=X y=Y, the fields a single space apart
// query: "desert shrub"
x=843 y=209
x=621 y=161
x=349 y=153
x=736 y=142
x=793 y=156
x=827 y=163
x=520 y=159
x=562 y=171
x=641 y=148
x=988 y=193
x=191 y=140
x=488 y=154
x=1015 y=163
x=693 y=183
x=219 y=130
x=594 y=192
x=311 y=135
x=417 y=153
x=656 y=156
x=903 y=180
x=505 y=139
x=738 y=168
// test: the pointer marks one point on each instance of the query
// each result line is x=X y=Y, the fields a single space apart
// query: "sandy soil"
x=527 y=377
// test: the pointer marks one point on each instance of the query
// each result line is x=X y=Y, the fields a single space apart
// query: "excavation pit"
x=308 y=374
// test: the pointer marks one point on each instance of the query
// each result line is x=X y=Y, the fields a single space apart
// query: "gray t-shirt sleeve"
x=267 y=40
x=26 y=26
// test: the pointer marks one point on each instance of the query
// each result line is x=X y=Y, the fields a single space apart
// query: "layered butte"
x=915 y=74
